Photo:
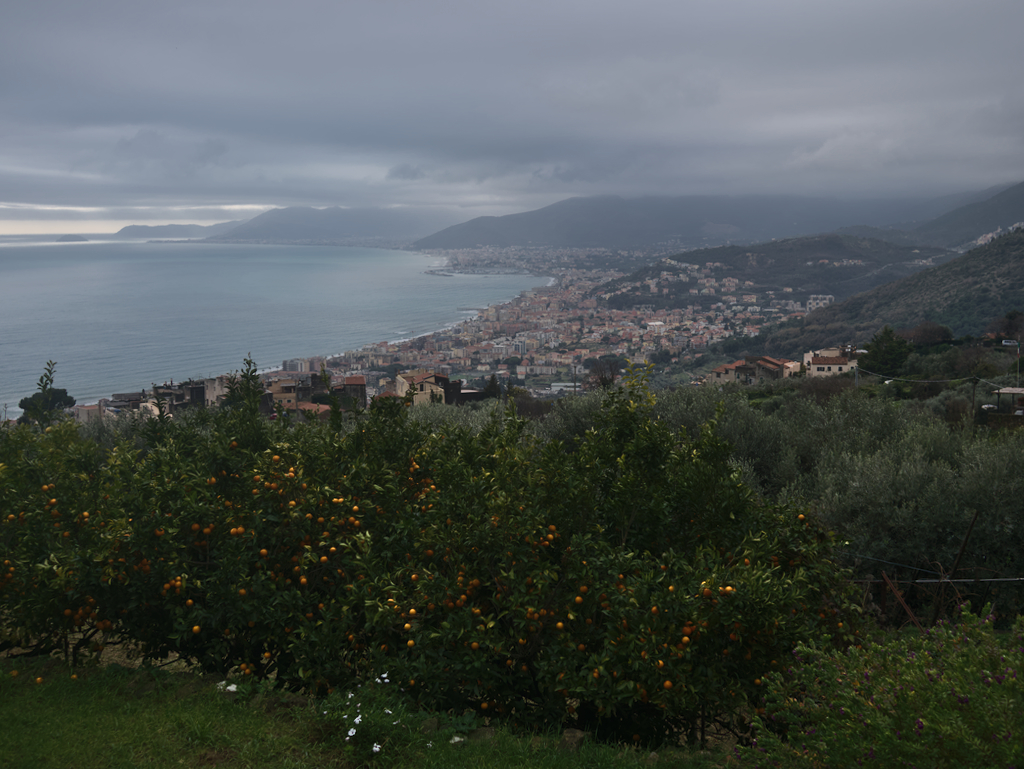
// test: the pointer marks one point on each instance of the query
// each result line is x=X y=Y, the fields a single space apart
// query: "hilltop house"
x=753 y=370
x=830 y=361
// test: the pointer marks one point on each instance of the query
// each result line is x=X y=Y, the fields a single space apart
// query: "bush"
x=951 y=698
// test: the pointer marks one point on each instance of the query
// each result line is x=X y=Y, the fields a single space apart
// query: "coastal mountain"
x=616 y=223
x=334 y=225
x=968 y=223
x=960 y=228
x=966 y=294
x=686 y=222
x=175 y=231
x=72 y=239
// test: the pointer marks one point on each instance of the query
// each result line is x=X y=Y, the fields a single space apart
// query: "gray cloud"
x=118 y=106
x=406 y=171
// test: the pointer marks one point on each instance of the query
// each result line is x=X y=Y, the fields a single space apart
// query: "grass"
x=113 y=717
x=116 y=717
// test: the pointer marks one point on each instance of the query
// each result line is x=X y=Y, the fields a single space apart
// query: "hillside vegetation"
x=966 y=294
x=841 y=265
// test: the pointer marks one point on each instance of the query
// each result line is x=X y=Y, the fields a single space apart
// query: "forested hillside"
x=966 y=294
x=840 y=265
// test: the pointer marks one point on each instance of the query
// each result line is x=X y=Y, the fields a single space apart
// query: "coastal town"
x=546 y=341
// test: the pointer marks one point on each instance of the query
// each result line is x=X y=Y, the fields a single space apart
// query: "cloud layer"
x=200 y=111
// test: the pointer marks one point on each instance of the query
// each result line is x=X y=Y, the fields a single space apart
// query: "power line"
x=922 y=381
x=929 y=571
x=891 y=563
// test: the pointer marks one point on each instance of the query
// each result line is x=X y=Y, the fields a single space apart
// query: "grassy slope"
x=115 y=717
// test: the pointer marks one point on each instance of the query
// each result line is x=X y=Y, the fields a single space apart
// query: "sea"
x=121 y=316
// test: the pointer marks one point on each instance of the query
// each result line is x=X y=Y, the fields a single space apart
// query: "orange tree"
x=627 y=582
x=52 y=527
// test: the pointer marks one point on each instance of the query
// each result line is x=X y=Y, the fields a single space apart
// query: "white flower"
x=358 y=719
x=387 y=711
x=430 y=744
x=376 y=748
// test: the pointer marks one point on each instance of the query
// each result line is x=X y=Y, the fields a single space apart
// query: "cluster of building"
x=282 y=390
x=831 y=361
x=549 y=332
x=541 y=338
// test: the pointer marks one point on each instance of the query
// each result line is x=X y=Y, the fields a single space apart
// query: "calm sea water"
x=118 y=317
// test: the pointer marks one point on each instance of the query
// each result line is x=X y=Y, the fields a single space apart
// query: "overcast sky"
x=139 y=112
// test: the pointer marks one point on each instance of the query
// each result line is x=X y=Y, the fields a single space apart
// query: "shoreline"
x=471 y=315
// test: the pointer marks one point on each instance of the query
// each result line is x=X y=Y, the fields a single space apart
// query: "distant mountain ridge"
x=705 y=221
x=611 y=222
x=968 y=223
x=960 y=228
x=175 y=231
x=300 y=224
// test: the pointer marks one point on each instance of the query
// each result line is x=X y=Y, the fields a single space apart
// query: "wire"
x=921 y=381
x=928 y=571
x=891 y=563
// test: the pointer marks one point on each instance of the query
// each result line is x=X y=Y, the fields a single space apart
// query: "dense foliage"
x=903 y=473
x=624 y=577
x=950 y=698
